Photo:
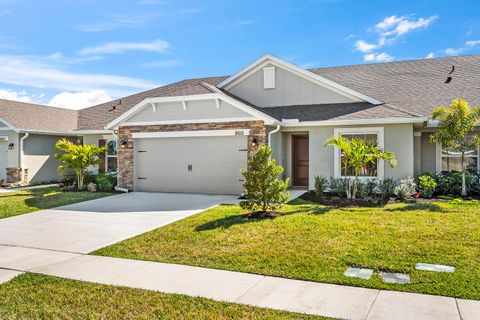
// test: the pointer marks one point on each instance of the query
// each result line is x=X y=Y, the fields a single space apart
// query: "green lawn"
x=318 y=243
x=31 y=296
x=15 y=203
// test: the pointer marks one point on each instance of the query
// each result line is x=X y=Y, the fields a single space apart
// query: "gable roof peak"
x=307 y=74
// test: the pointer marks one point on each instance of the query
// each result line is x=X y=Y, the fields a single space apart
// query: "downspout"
x=271 y=133
x=22 y=168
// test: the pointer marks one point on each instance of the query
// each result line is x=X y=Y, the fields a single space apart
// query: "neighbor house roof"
x=28 y=116
x=406 y=88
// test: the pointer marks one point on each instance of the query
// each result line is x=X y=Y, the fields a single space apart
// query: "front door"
x=300 y=160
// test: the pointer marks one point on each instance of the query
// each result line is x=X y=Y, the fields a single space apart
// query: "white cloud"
x=114 y=21
x=396 y=26
x=453 y=51
x=79 y=100
x=430 y=55
x=163 y=64
x=159 y=46
x=377 y=57
x=38 y=72
x=472 y=43
x=364 y=46
x=15 y=95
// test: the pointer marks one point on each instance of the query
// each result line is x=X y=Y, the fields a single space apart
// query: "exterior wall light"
x=10 y=146
x=124 y=143
x=254 y=142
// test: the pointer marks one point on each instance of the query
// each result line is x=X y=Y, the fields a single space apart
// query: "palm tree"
x=456 y=127
x=358 y=154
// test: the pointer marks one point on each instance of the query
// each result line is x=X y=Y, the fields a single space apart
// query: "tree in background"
x=358 y=154
x=77 y=158
x=263 y=189
x=456 y=126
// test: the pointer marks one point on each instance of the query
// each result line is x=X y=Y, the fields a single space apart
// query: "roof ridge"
x=402 y=110
x=393 y=62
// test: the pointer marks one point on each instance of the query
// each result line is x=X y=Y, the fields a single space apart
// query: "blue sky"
x=72 y=53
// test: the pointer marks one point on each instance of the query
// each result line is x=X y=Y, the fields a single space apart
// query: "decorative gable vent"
x=269 y=78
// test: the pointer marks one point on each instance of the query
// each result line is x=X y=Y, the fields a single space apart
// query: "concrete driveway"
x=90 y=225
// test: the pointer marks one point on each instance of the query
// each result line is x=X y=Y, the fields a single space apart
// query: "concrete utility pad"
x=395 y=278
x=361 y=273
x=434 y=267
x=90 y=225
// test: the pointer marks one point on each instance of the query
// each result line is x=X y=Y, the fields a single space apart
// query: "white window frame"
x=110 y=156
x=379 y=131
x=439 y=158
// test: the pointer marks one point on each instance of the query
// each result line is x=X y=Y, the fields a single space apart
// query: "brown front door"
x=300 y=160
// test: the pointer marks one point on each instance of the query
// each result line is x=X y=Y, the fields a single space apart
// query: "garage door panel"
x=215 y=164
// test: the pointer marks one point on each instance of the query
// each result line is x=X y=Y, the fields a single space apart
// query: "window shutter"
x=101 y=165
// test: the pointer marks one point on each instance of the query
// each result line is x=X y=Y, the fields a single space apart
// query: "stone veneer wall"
x=14 y=175
x=125 y=154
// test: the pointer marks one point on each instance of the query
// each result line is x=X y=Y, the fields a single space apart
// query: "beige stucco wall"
x=196 y=110
x=290 y=89
x=39 y=158
x=398 y=138
x=428 y=153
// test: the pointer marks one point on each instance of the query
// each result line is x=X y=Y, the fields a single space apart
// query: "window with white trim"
x=373 y=135
x=111 y=156
x=451 y=160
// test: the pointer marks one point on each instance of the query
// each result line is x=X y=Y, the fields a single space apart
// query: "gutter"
x=271 y=133
x=22 y=177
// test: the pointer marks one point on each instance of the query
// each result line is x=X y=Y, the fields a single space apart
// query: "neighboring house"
x=195 y=135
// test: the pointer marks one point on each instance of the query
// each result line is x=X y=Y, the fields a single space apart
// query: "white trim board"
x=290 y=123
x=308 y=75
x=209 y=96
x=164 y=122
x=379 y=131
x=9 y=126
x=187 y=134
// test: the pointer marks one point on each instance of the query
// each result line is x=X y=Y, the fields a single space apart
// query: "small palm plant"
x=456 y=127
x=359 y=155
x=77 y=158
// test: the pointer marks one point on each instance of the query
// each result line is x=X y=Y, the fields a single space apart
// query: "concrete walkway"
x=277 y=293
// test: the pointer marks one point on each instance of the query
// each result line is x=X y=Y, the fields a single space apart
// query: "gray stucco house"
x=196 y=134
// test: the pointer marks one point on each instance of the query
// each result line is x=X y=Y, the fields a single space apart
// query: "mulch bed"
x=341 y=202
x=263 y=214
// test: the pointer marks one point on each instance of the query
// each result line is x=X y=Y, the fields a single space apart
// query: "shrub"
x=321 y=185
x=451 y=183
x=106 y=181
x=405 y=189
x=263 y=188
x=427 y=185
x=387 y=188
x=371 y=187
x=337 y=186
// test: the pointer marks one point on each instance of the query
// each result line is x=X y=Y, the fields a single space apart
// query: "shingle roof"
x=99 y=116
x=37 y=117
x=336 y=111
x=408 y=88
x=416 y=85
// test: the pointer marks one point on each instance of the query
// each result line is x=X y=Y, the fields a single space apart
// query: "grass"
x=317 y=243
x=15 y=203
x=31 y=296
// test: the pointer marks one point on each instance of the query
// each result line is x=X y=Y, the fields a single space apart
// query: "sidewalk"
x=263 y=291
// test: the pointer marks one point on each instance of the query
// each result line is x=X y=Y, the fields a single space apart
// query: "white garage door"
x=191 y=164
